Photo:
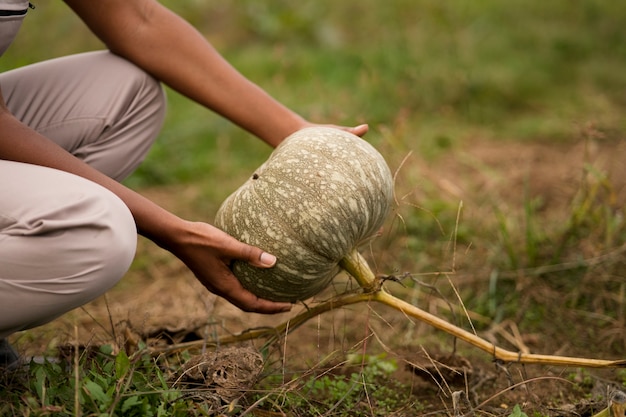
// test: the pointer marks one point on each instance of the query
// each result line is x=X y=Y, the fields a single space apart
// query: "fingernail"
x=267 y=259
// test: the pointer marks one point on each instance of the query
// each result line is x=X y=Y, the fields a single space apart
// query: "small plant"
x=370 y=390
x=582 y=378
x=621 y=376
x=517 y=412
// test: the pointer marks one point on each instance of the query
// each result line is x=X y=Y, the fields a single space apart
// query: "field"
x=504 y=125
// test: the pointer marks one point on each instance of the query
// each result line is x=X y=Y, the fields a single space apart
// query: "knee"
x=93 y=240
x=140 y=104
x=152 y=100
x=64 y=253
x=109 y=238
x=145 y=94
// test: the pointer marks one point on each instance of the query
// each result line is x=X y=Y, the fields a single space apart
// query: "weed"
x=517 y=412
x=621 y=375
x=369 y=391
x=582 y=378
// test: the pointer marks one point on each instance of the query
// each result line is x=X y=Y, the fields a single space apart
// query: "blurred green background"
x=425 y=74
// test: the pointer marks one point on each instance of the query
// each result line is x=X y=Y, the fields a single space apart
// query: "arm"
x=151 y=36
x=206 y=250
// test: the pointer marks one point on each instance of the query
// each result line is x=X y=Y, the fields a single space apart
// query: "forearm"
x=204 y=76
x=145 y=32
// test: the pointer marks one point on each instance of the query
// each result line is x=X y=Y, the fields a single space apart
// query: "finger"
x=256 y=256
x=252 y=304
x=232 y=290
x=359 y=130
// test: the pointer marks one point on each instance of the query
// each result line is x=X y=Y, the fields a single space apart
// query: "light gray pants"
x=65 y=240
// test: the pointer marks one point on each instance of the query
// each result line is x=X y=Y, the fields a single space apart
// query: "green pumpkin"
x=321 y=193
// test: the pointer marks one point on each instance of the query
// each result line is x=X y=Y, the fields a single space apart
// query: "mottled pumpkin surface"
x=321 y=193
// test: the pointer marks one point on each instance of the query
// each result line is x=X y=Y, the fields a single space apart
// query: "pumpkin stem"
x=357 y=267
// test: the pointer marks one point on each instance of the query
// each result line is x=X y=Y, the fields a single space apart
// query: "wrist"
x=285 y=127
x=165 y=229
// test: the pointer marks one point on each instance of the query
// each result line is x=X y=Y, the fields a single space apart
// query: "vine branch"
x=372 y=291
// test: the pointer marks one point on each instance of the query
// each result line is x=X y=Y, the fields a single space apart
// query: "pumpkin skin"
x=320 y=194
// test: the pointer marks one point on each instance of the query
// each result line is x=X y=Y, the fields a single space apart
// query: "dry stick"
x=357 y=267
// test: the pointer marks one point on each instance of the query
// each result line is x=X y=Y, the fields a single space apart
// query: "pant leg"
x=96 y=105
x=63 y=242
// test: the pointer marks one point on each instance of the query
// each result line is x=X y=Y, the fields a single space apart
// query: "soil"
x=159 y=301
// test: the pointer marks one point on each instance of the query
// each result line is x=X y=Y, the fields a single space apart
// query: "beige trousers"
x=65 y=240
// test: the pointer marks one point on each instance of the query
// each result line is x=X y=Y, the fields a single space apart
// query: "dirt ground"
x=160 y=298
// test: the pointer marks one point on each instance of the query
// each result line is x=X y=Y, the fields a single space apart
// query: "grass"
x=363 y=384
x=101 y=383
x=433 y=79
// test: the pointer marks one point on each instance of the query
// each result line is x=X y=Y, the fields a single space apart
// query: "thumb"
x=257 y=257
x=267 y=260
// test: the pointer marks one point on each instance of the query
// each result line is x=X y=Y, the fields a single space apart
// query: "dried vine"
x=372 y=291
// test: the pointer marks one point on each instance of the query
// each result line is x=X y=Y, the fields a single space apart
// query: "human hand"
x=207 y=251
